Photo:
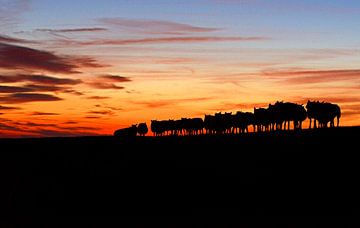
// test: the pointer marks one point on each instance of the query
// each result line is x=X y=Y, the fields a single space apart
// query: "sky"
x=81 y=67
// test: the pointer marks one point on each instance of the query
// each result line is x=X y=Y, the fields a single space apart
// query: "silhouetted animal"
x=276 y=116
x=129 y=132
x=209 y=124
x=323 y=113
x=285 y=112
x=158 y=127
x=241 y=122
x=142 y=129
x=262 y=119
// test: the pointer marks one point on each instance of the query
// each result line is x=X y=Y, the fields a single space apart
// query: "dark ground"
x=304 y=179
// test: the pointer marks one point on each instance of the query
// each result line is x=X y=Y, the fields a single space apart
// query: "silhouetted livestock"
x=193 y=126
x=285 y=113
x=129 y=132
x=184 y=126
x=241 y=122
x=262 y=118
x=142 y=129
x=277 y=116
x=219 y=123
x=323 y=113
x=157 y=127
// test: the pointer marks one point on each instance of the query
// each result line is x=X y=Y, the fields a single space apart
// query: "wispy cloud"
x=296 y=76
x=8 y=108
x=44 y=114
x=13 y=89
x=39 y=79
x=24 y=58
x=154 y=26
x=92 y=117
x=44 y=88
x=240 y=106
x=170 y=102
x=73 y=92
x=114 y=78
x=102 y=112
x=97 y=97
x=165 y=40
x=10 y=127
x=38 y=83
x=108 y=81
x=109 y=107
x=8 y=39
x=71 y=122
x=72 y=30
x=27 y=97
x=105 y=85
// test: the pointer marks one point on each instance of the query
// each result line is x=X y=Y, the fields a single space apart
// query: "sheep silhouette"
x=285 y=113
x=323 y=113
x=142 y=129
x=129 y=132
x=276 y=117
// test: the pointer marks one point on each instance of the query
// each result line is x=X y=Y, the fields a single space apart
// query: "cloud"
x=352 y=107
x=63 y=133
x=98 y=97
x=87 y=62
x=72 y=91
x=30 y=129
x=166 y=40
x=4 y=126
x=105 y=85
x=44 y=79
x=241 y=106
x=154 y=26
x=13 y=89
x=77 y=128
x=102 y=112
x=27 y=97
x=38 y=83
x=8 y=108
x=170 y=102
x=44 y=114
x=312 y=76
x=8 y=39
x=30 y=88
x=11 y=128
x=41 y=79
x=350 y=113
x=72 y=30
x=114 y=78
x=109 y=107
x=339 y=99
x=43 y=88
x=19 y=57
x=92 y=117
x=71 y=122
x=108 y=82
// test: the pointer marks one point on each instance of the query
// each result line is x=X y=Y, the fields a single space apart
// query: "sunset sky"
x=82 y=67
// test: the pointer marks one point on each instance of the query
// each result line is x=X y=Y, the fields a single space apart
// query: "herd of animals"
x=275 y=117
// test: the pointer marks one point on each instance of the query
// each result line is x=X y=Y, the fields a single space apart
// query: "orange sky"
x=90 y=76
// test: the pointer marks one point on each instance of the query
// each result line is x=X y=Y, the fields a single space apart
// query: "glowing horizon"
x=80 y=68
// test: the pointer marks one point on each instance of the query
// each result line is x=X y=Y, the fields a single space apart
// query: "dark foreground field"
x=258 y=179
